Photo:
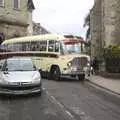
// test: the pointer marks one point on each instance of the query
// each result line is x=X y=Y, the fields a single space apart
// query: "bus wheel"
x=56 y=73
x=81 y=77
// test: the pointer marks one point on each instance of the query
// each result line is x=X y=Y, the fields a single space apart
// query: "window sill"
x=2 y=6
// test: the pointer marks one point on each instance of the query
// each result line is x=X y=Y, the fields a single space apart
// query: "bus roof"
x=34 y=38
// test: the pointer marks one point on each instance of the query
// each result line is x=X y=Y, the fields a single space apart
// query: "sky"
x=62 y=16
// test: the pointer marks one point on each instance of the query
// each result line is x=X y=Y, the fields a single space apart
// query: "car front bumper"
x=17 y=91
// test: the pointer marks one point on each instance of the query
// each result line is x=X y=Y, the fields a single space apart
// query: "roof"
x=19 y=58
x=31 y=4
x=34 y=38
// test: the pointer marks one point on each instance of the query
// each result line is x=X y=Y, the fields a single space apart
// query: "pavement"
x=112 y=85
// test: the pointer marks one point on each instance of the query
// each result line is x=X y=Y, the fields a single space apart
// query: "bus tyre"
x=81 y=77
x=49 y=76
x=56 y=73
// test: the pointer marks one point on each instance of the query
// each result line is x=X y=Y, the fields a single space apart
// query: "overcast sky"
x=62 y=16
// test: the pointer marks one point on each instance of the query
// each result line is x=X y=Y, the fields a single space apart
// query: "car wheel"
x=41 y=90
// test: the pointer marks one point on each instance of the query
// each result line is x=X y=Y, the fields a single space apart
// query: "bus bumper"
x=76 y=72
x=71 y=72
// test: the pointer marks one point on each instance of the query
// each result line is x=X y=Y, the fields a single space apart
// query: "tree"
x=87 y=23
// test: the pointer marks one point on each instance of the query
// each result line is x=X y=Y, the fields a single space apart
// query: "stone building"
x=104 y=25
x=15 y=18
x=38 y=29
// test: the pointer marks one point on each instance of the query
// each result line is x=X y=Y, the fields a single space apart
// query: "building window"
x=16 y=4
x=1 y=3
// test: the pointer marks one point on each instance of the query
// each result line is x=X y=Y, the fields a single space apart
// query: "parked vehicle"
x=18 y=75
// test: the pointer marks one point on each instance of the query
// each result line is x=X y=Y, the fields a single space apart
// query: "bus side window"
x=17 y=47
x=61 y=49
x=10 y=47
x=42 y=45
x=51 y=46
x=57 y=46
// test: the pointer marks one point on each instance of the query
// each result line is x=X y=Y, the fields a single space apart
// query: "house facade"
x=38 y=29
x=15 y=18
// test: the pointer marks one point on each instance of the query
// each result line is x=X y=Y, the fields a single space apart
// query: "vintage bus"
x=56 y=55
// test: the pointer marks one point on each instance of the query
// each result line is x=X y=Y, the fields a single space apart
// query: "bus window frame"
x=54 y=46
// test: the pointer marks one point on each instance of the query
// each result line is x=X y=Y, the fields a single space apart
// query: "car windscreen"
x=19 y=65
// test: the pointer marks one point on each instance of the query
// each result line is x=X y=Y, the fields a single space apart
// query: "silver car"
x=18 y=75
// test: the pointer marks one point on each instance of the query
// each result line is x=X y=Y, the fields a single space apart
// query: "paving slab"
x=107 y=83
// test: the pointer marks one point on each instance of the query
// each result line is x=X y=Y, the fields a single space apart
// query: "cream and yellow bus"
x=56 y=55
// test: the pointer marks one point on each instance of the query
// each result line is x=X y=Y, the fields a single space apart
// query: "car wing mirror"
x=39 y=69
x=34 y=67
x=6 y=71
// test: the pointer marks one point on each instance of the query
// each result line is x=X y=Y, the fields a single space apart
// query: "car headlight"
x=36 y=78
x=3 y=81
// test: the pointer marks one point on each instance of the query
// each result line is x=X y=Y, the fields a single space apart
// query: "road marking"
x=69 y=113
x=54 y=100
x=58 y=103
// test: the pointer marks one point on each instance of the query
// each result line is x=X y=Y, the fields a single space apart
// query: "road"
x=84 y=101
x=62 y=100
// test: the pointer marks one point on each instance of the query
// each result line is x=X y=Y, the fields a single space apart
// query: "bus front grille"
x=80 y=62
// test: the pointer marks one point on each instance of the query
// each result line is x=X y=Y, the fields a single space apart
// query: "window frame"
x=2 y=3
x=18 y=5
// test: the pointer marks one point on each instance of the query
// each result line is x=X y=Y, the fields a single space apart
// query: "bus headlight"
x=69 y=64
x=88 y=64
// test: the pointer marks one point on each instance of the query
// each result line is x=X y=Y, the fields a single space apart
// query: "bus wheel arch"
x=54 y=72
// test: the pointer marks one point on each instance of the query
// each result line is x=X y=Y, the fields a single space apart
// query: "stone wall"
x=105 y=25
x=16 y=22
x=112 y=22
x=11 y=31
x=95 y=29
